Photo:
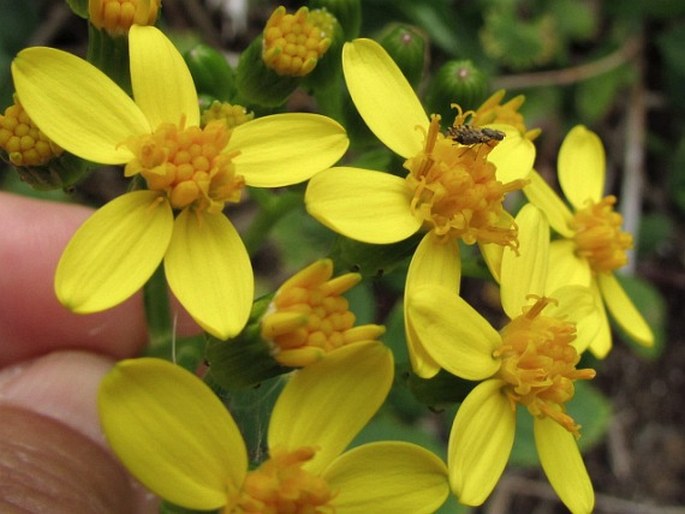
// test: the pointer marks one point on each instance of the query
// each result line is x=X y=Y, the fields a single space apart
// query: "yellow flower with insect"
x=592 y=244
x=531 y=362
x=178 y=439
x=452 y=191
x=196 y=171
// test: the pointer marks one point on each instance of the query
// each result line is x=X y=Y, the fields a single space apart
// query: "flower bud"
x=457 y=82
x=211 y=72
x=116 y=16
x=347 y=12
x=407 y=47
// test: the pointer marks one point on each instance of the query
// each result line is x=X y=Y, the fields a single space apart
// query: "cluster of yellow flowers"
x=173 y=432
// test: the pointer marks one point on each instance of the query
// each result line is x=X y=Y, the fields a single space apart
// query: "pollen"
x=309 y=317
x=281 y=485
x=24 y=143
x=455 y=191
x=292 y=44
x=189 y=165
x=117 y=16
x=231 y=114
x=539 y=364
x=598 y=235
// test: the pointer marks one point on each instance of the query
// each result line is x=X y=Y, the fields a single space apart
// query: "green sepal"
x=79 y=7
x=439 y=391
x=406 y=45
x=347 y=12
x=245 y=360
x=211 y=72
x=259 y=85
x=460 y=82
x=110 y=54
x=59 y=173
x=372 y=260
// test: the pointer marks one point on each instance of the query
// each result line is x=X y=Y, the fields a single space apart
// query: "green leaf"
x=596 y=96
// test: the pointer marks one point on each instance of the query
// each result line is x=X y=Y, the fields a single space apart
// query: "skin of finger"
x=32 y=321
x=61 y=390
x=33 y=234
x=45 y=466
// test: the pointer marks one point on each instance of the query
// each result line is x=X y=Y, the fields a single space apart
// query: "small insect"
x=468 y=135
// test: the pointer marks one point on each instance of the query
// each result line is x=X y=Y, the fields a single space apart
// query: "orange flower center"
x=117 y=16
x=24 y=143
x=189 y=165
x=292 y=44
x=539 y=364
x=308 y=317
x=598 y=236
x=280 y=485
x=456 y=193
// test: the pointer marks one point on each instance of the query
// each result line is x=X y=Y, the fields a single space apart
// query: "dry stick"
x=633 y=160
x=512 y=485
x=573 y=74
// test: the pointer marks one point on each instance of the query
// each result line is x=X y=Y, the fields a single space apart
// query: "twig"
x=573 y=74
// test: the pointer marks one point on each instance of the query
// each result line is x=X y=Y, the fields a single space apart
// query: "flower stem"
x=157 y=314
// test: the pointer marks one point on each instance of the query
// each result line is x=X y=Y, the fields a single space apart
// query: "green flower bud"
x=258 y=84
x=247 y=359
x=407 y=47
x=60 y=173
x=347 y=12
x=211 y=72
x=457 y=82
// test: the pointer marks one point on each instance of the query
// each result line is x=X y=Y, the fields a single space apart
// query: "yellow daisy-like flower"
x=592 y=244
x=194 y=170
x=117 y=16
x=530 y=362
x=177 y=438
x=494 y=111
x=308 y=316
x=453 y=191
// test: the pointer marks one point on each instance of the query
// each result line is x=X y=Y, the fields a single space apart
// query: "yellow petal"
x=398 y=477
x=172 y=433
x=623 y=310
x=544 y=197
x=437 y=262
x=286 y=149
x=383 y=97
x=327 y=404
x=161 y=81
x=565 y=267
x=513 y=156
x=209 y=271
x=114 y=252
x=76 y=105
x=581 y=166
x=453 y=333
x=578 y=305
x=563 y=465
x=525 y=272
x=480 y=442
x=601 y=343
x=369 y=206
x=492 y=255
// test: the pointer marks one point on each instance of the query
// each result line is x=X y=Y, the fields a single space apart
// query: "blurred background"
x=617 y=67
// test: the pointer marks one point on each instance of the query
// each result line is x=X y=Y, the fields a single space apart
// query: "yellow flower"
x=530 y=362
x=293 y=43
x=308 y=316
x=592 y=244
x=23 y=141
x=493 y=111
x=194 y=170
x=117 y=16
x=177 y=438
x=452 y=191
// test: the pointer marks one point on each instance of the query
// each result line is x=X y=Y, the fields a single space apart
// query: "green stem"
x=110 y=54
x=271 y=209
x=157 y=314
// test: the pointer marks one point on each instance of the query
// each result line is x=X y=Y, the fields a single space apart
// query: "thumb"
x=53 y=457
